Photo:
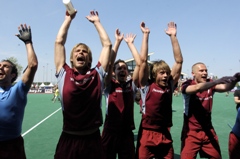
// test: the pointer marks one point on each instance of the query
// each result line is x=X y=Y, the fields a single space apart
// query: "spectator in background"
x=56 y=95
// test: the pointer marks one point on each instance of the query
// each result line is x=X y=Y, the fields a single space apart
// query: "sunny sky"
x=207 y=30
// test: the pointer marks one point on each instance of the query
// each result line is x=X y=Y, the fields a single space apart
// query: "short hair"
x=14 y=69
x=198 y=63
x=156 y=66
x=88 y=50
x=117 y=62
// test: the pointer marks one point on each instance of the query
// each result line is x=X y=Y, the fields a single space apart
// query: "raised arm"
x=105 y=40
x=59 y=52
x=177 y=67
x=26 y=36
x=143 y=72
x=129 y=39
x=118 y=40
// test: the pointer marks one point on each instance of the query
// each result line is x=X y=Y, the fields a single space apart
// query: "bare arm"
x=26 y=37
x=105 y=40
x=129 y=39
x=143 y=72
x=59 y=52
x=118 y=40
x=177 y=67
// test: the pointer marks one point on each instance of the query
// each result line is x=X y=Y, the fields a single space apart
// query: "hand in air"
x=172 y=29
x=25 y=33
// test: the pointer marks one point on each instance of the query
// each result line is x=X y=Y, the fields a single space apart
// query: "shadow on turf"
x=176 y=156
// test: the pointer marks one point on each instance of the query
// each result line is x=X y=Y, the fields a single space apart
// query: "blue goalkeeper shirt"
x=13 y=100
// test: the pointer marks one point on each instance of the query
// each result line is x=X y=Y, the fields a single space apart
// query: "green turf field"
x=43 y=123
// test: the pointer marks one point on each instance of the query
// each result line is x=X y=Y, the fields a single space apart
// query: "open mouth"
x=164 y=80
x=80 y=59
x=122 y=74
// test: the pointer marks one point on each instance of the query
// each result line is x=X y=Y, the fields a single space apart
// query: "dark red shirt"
x=197 y=107
x=157 y=106
x=81 y=98
x=120 y=105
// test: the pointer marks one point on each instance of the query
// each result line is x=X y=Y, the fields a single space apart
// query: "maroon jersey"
x=119 y=108
x=157 y=106
x=81 y=98
x=197 y=107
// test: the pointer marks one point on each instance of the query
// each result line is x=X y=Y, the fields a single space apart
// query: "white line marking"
x=40 y=122
x=230 y=125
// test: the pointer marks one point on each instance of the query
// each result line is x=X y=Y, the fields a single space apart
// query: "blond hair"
x=88 y=50
x=157 y=66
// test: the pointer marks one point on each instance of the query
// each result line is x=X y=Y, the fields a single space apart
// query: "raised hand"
x=118 y=35
x=129 y=38
x=93 y=17
x=72 y=16
x=172 y=29
x=144 y=28
x=25 y=33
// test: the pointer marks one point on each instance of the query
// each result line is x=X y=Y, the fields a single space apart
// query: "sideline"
x=40 y=122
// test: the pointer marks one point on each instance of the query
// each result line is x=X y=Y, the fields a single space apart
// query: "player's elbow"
x=33 y=65
x=107 y=44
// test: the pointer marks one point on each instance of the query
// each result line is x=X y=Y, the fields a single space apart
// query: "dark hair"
x=117 y=62
x=14 y=69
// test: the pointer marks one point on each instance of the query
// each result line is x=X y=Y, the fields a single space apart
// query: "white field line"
x=230 y=125
x=40 y=122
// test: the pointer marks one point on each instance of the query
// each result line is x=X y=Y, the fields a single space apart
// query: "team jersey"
x=81 y=98
x=157 y=105
x=12 y=105
x=197 y=107
x=120 y=105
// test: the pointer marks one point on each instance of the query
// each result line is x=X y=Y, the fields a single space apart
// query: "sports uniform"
x=198 y=134
x=81 y=107
x=13 y=100
x=155 y=139
x=234 y=136
x=117 y=137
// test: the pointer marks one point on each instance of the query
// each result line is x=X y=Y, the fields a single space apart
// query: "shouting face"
x=80 y=58
x=121 y=72
x=6 y=74
x=200 y=73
